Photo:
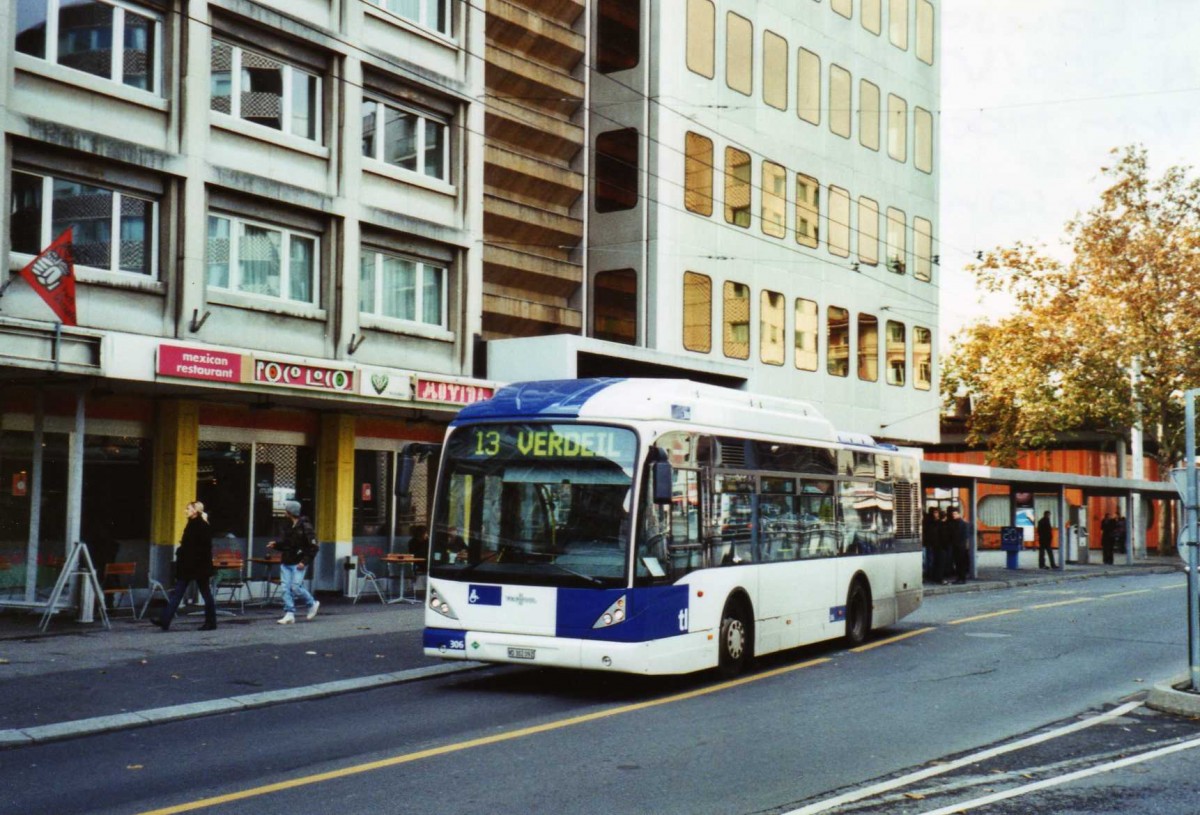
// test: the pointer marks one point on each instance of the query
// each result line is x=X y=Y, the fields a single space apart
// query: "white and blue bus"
x=662 y=527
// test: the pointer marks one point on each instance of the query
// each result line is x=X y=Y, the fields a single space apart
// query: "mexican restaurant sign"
x=199 y=363
x=297 y=375
x=455 y=393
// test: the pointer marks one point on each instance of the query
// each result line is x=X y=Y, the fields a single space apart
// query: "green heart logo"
x=379 y=382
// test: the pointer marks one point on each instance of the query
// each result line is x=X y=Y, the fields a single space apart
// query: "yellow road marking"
x=499 y=738
x=890 y=640
x=1125 y=593
x=986 y=616
x=1063 y=603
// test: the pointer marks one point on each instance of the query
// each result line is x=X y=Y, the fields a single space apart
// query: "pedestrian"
x=1045 y=534
x=930 y=540
x=193 y=564
x=956 y=532
x=297 y=548
x=1107 y=536
x=1120 y=535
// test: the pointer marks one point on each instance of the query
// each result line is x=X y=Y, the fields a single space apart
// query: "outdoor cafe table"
x=404 y=562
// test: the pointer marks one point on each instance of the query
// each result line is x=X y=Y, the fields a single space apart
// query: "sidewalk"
x=78 y=678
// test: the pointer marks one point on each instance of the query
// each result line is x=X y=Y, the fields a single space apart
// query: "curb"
x=1170 y=697
x=1015 y=582
x=60 y=731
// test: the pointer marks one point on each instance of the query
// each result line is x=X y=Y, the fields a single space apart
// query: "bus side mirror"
x=404 y=475
x=663 y=481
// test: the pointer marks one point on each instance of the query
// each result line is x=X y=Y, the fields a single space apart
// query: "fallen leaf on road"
x=916 y=796
x=3 y=661
x=175 y=676
x=311 y=653
x=134 y=767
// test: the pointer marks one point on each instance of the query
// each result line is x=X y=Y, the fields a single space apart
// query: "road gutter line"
x=891 y=640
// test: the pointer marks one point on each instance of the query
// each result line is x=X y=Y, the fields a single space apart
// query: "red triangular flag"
x=52 y=275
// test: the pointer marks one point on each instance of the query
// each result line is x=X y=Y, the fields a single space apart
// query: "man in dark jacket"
x=1045 y=536
x=297 y=548
x=957 y=532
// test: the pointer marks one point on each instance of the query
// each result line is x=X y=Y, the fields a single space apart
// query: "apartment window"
x=697 y=312
x=261 y=259
x=843 y=7
x=897 y=250
x=737 y=187
x=116 y=42
x=111 y=231
x=736 y=320
x=872 y=16
x=698 y=174
x=868 y=231
x=617 y=170
x=266 y=91
x=808 y=86
x=701 y=37
x=897 y=128
x=922 y=249
x=837 y=341
x=808 y=210
x=839 y=100
x=923 y=140
x=774 y=200
x=925 y=31
x=739 y=53
x=895 y=352
x=868 y=114
x=431 y=14
x=405 y=138
x=775 y=70
x=839 y=222
x=614 y=306
x=772 y=327
x=868 y=348
x=401 y=288
x=618 y=35
x=898 y=23
x=922 y=358
x=807 y=326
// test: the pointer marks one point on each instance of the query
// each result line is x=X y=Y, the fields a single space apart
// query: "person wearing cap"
x=296 y=548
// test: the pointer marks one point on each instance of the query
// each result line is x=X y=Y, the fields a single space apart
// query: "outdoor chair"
x=117 y=581
x=367 y=578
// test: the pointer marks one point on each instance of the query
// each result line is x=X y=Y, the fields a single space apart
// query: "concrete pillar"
x=334 y=506
x=1063 y=543
x=176 y=461
x=973 y=504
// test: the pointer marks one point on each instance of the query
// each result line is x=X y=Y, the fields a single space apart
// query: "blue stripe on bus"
x=837 y=614
x=552 y=398
x=652 y=613
x=449 y=639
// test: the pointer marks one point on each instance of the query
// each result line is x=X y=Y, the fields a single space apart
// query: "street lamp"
x=1193 y=539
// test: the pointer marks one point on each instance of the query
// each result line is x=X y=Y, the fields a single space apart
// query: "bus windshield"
x=535 y=504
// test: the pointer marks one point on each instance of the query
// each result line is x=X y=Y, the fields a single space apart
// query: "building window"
x=868 y=231
x=774 y=200
x=922 y=249
x=896 y=352
x=922 y=358
x=925 y=31
x=615 y=306
x=261 y=259
x=772 y=327
x=737 y=187
x=808 y=210
x=618 y=35
x=739 y=53
x=897 y=250
x=897 y=128
x=872 y=16
x=808 y=86
x=405 y=139
x=775 y=70
x=868 y=114
x=698 y=174
x=898 y=23
x=116 y=42
x=839 y=100
x=868 y=348
x=737 y=320
x=401 y=288
x=266 y=91
x=111 y=231
x=701 y=37
x=697 y=312
x=806 y=334
x=923 y=140
x=843 y=7
x=837 y=342
x=839 y=222
x=431 y=14
x=617 y=170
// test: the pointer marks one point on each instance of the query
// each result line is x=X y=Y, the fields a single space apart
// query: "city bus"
x=658 y=526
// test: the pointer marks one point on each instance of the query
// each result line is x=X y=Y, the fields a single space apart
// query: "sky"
x=1035 y=94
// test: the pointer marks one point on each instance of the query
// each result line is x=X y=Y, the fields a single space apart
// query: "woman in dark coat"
x=193 y=562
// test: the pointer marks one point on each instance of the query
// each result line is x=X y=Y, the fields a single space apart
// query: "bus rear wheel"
x=858 y=614
x=735 y=642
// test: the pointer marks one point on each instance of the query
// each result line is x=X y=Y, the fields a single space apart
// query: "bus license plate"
x=522 y=653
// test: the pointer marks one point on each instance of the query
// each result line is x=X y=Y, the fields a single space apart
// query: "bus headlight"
x=613 y=615
x=439 y=605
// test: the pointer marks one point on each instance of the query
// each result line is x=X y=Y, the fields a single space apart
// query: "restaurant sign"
x=299 y=375
x=454 y=393
x=199 y=363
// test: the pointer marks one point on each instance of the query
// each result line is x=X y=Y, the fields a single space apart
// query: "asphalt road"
x=968 y=673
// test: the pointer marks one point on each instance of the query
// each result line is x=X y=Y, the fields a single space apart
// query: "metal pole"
x=87 y=598
x=1192 y=541
x=35 y=498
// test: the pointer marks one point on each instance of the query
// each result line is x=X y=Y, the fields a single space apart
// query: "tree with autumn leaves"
x=1129 y=297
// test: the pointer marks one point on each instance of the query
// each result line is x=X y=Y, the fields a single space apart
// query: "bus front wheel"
x=735 y=641
x=858 y=614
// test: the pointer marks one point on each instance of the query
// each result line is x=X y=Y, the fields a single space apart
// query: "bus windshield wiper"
x=595 y=581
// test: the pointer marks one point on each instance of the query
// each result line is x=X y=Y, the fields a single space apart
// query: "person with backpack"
x=297 y=549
